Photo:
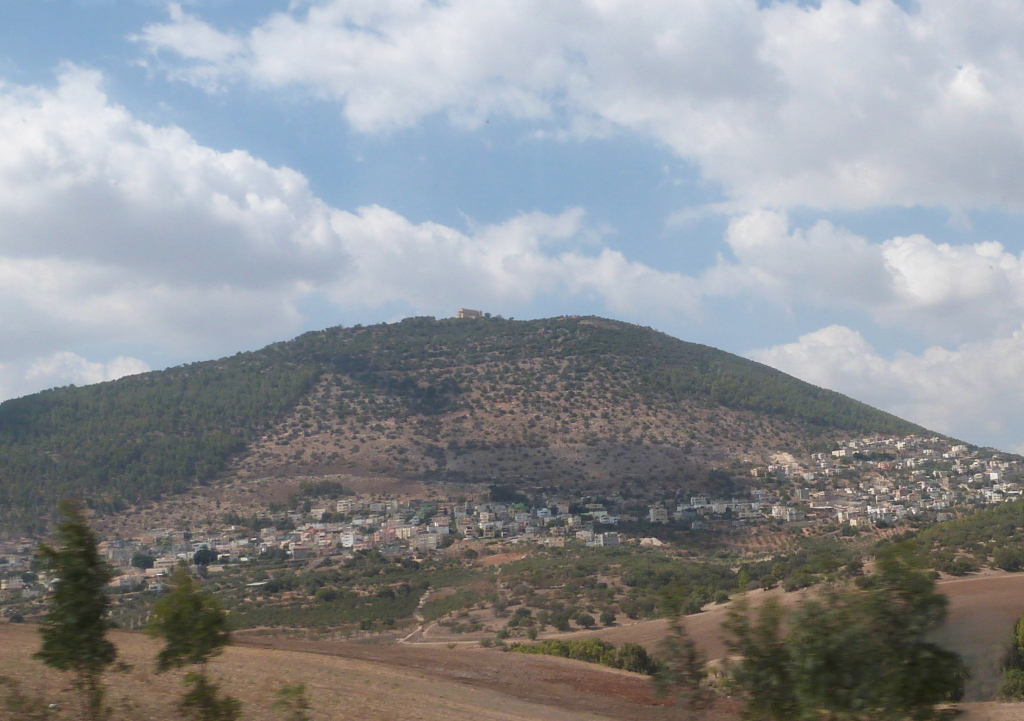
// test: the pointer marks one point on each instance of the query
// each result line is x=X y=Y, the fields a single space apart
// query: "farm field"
x=428 y=682
x=349 y=681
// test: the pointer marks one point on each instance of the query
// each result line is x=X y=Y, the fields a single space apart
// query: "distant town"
x=865 y=483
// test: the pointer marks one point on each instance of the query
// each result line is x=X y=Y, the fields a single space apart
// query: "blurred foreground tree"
x=763 y=675
x=75 y=627
x=1012 y=688
x=850 y=653
x=195 y=630
x=681 y=673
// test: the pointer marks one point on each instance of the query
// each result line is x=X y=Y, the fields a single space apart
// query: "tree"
x=763 y=673
x=682 y=673
x=142 y=560
x=851 y=653
x=204 y=557
x=195 y=630
x=74 y=630
x=1012 y=687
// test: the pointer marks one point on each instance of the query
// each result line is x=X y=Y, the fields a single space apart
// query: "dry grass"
x=340 y=689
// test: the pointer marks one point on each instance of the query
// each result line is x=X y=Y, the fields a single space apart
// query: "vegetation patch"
x=628 y=657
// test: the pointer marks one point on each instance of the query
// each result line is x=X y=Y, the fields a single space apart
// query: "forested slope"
x=436 y=388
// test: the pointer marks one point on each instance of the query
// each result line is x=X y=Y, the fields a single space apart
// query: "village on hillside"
x=868 y=482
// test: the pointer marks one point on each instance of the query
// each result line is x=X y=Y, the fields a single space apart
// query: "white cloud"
x=434 y=268
x=975 y=391
x=945 y=292
x=62 y=368
x=114 y=231
x=843 y=105
x=65 y=367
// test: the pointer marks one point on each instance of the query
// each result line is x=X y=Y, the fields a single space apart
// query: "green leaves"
x=681 y=671
x=74 y=630
x=849 y=654
x=195 y=630
x=192 y=623
x=291 y=698
x=765 y=673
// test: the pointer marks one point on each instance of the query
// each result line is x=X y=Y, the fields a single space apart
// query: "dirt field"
x=982 y=611
x=349 y=681
x=385 y=681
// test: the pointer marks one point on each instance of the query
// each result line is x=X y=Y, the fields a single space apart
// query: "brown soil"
x=499 y=558
x=429 y=683
x=982 y=612
x=348 y=681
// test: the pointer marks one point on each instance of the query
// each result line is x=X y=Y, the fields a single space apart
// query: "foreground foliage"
x=194 y=629
x=74 y=629
x=291 y=699
x=1012 y=687
x=682 y=669
x=850 y=653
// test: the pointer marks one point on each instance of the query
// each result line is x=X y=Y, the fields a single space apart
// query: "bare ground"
x=378 y=681
x=348 y=681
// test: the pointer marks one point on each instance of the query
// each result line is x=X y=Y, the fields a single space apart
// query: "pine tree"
x=195 y=630
x=74 y=630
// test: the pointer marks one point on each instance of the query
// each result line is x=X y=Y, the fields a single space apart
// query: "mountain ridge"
x=546 y=402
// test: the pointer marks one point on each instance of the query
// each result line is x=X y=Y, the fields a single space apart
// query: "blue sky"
x=831 y=188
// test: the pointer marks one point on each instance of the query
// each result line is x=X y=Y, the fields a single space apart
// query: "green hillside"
x=508 y=383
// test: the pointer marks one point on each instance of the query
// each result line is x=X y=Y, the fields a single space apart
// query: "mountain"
x=573 y=402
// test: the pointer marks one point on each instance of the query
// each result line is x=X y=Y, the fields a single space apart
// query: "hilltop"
x=571 y=402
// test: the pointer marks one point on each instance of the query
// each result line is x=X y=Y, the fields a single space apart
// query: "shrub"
x=1009 y=558
x=1012 y=688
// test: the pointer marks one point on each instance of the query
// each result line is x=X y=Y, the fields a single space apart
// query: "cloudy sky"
x=833 y=188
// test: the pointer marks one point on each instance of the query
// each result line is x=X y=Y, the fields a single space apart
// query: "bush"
x=863 y=654
x=291 y=699
x=634 y=657
x=1009 y=558
x=607 y=617
x=1012 y=688
x=630 y=656
x=800 y=579
x=961 y=567
x=326 y=595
